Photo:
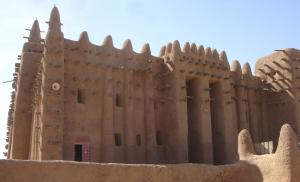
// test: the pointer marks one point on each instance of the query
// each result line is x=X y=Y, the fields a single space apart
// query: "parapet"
x=192 y=58
x=107 y=55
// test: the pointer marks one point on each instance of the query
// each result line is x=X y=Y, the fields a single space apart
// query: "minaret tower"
x=53 y=91
x=30 y=58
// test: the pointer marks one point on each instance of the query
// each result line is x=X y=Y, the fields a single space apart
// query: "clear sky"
x=245 y=29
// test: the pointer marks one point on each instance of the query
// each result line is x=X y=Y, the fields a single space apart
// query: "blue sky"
x=245 y=29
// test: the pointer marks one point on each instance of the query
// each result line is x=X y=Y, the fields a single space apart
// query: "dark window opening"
x=80 y=96
x=78 y=152
x=138 y=140
x=158 y=138
x=118 y=100
x=118 y=139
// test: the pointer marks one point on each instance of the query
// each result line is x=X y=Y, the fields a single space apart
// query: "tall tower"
x=53 y=91
x=30 y=58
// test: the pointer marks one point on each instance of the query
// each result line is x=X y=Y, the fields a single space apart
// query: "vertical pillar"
x=177 y=121
x=129 y=127
x=150 y=132
x=253 y=108
x=118 y=107
x=100 y=107
x=203 y=126
x=230 y=127
x=242 y=107
x=139 y=117
x=181 y=122
x=264 y=112
x=108 y=144
x=53 y=91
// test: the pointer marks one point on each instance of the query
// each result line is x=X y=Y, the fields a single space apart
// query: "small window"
x=118 y=139
x=138 y=140
x=80 y=96
x=78 y=152
x=158 y=138
x=118 y=100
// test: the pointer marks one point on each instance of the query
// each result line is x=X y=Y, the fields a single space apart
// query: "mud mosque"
x=76 y=101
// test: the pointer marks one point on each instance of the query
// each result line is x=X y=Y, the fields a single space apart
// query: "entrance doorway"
x=78 y=152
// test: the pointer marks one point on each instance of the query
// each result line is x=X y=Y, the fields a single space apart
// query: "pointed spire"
x=146 y=49
x=35 y=33
x=208 y=54
x=224 y=60
x=127 y=45
x=186 y=48
x=194 y=48
x=162 y=51
x=201 y=51
x=175 y=51
x=223 y=56
x=246 y=70
x=84 y=39
x=288 y=141
x=169 y=48
x=108 y=42
x=236 y=67
x=245 y=145
x=54 y=22
x=215 y=55
x=176 y=47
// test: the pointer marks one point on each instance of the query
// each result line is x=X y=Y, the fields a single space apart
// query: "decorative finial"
x=54 y=22
x=208 y=54
x=245 y=145
x=168 y=48
x=236 y=67
x=84 y=39
x=162 y=51
x=35 y=33
x=194 y=48
x=176 y=46
x=201 y=51
x=146 y=49
x=246 y=69
x=186 y=47
x=288 y=141
x=127 y=45
x=108 y=42
x=215 y=55
x=223 y=58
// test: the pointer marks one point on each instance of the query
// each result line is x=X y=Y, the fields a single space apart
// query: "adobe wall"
x=283 y=166
x=249 y=96
x=103 y=73
x=56 y=171
x=192 y=129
